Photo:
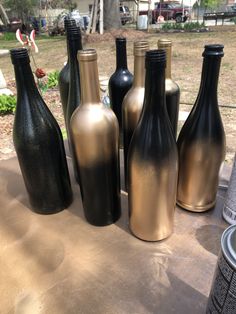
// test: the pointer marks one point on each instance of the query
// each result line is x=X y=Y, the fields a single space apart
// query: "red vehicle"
x=170 y=10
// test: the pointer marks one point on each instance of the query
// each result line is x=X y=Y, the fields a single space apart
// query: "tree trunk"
x=112 y=14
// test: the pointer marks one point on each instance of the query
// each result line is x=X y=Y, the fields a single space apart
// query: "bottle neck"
x=139 y=71
x=154 y=99
x=168 y=62
x=90 y=93
x=121 y=56
x=210 y=77
x=25 y=80
x=73 y=46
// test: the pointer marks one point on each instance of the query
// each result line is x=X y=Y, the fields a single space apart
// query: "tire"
x=178 y=18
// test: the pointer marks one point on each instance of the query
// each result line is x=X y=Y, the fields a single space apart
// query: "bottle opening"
x=213 y=50
x=87 y=55
x=19 y=54
x=140 y=48
x=162 y=43
x=156 y=56
x=120 y=39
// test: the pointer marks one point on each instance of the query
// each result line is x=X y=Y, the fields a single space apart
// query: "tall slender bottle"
x=201 y=142
x=133 y=101
x=120 y=81
x=74 y=39
x=153 y=159
x=64 y=76
x=95 y=133
x=172 y=89
x=38 y=143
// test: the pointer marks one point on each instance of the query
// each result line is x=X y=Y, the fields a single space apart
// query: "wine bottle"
x=201 y=142
x=133 y=101
x=120 y=81
x=172 y=89
x=64 y=76
x=74 y=39
x=95 y=132
x=153 y=159
x=38 y=143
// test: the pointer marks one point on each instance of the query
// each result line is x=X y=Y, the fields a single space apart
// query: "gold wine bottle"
x=153 y=159
x=201 y=142
x=95 y=132
x=133 y=101
x=172 y=89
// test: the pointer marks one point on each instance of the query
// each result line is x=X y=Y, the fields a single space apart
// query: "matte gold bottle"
x=172 y=89
x=153 y=159
x=95 y=132
x=133 y=101
x=201 y=142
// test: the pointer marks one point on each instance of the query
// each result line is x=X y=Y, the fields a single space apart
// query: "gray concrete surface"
x=59 y=264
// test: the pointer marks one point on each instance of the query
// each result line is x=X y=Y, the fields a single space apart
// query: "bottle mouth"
x=156 y=56
x=73 y=32
x=213 y=50
x=163 y=43
x=69 y=22
x=140 y=48
x=19 y=55
x=87 y=55
x=120 y=39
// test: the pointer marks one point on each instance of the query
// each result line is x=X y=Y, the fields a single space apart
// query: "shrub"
x=7 y=104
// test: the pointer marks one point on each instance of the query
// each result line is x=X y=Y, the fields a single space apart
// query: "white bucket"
x=142 y=21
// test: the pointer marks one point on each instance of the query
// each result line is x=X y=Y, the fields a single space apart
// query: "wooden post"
x=137 y=14
x=101 y=18
x=95 y=16
x=91 y=20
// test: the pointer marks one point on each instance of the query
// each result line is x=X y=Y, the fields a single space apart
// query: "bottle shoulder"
x=171 y=86
x=121 y=75
x=133 y=98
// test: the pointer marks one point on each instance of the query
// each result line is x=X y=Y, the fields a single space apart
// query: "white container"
x=142 y=21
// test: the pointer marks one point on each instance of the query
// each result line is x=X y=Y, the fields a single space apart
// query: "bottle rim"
x=163 y=43
x=87 y=55
x=157 y=56
x=140 y=47
x=213 y=50
x=19 y=54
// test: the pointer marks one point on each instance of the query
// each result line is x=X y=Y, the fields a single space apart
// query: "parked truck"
x=169 y=10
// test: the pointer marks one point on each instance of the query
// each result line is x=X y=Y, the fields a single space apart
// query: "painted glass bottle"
x=64 y=76
x=38 y=143
x=74 y=39
x=153 y=159
x=133 y=102
x=172 y=89
x=95 y=134
x=201 y=142
x=120 y=81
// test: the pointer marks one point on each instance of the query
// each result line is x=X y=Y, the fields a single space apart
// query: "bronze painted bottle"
x=73 y=35
x=95 y=133
x=172 y=89
x=153 y=159
x=64 y=76
x=38 y=143
x=201 y=142
x=120 y=81
x=133 y=102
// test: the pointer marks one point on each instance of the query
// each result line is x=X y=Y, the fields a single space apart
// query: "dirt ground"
x=186 y=71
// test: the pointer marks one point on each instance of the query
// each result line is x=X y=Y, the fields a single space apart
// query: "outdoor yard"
x=186 y=71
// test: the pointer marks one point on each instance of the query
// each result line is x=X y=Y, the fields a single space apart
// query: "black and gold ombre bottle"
x=153 y=159
x=201 y=142
x=95 y=133
x=133 y=102
x=38 y=143
x=120 y=81
x=172 y=89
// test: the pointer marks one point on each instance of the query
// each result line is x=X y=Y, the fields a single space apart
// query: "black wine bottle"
x=38 y=143
x=120 y=81
x=74 y=39
x=64 y=76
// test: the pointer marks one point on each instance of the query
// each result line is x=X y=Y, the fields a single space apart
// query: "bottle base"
x=196 y=209
x=102 y=223
x=47 y=212
x=150 y=239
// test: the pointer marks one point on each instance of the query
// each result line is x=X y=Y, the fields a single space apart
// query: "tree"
x=112 y=14
x=22 y=8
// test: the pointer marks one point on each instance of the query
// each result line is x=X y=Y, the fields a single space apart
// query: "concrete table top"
x=60 y=264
